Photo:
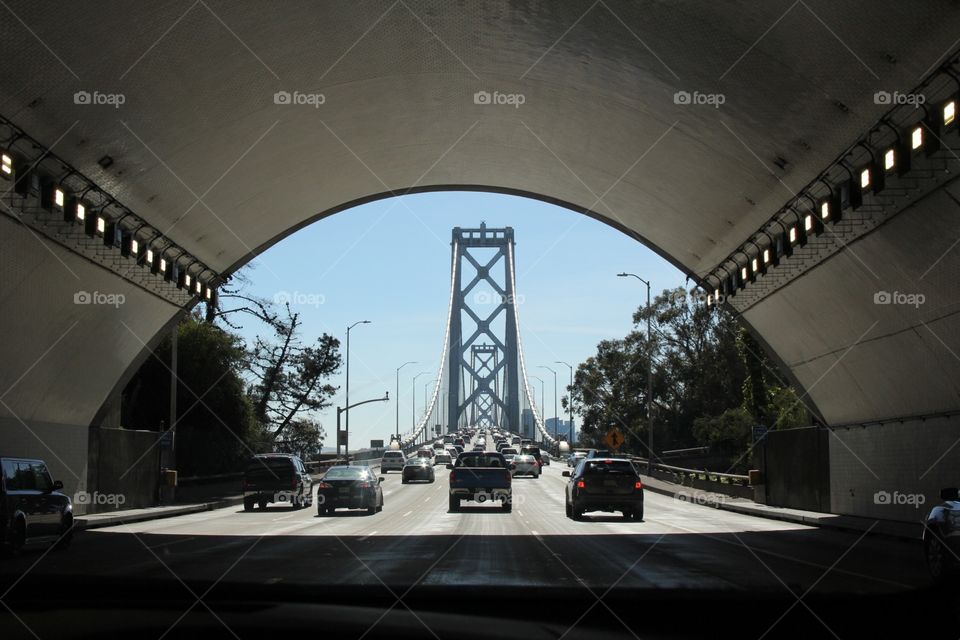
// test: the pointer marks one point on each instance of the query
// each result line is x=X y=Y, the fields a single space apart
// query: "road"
x=414 y=542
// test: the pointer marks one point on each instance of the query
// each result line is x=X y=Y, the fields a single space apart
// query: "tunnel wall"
x=124 y=468
x=797 y=468
x=902 y=460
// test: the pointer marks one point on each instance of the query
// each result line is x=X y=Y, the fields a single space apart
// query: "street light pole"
x=649 y=373
x=347 y=403
x=398 y=396
x=556 y=417
x=542 y=396
x=569 y=401
x=413 y=399
x=426 y=385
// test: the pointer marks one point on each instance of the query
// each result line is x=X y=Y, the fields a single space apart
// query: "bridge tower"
x=484 y=385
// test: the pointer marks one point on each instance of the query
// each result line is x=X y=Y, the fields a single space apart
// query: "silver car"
x=525 y=465
x=392 y=461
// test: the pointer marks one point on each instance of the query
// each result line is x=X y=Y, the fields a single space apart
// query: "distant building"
x=526 y=423
x=556 y=427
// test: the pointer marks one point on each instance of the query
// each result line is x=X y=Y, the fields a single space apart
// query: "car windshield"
x=609 y=467
x=480 y=460
x=346 y=473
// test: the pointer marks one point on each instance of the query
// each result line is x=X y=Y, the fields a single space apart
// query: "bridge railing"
x=731 y=484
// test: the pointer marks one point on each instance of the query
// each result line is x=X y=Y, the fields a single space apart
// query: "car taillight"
x=324 y=485
x=364 y=485
x=638 y=485
x=452 y=476
x=581 y=484
x=293 y=484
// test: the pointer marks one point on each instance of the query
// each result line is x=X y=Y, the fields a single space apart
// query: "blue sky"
x=389 y=262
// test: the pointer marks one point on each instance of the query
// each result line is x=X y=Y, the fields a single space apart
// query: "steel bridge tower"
x=487 y=383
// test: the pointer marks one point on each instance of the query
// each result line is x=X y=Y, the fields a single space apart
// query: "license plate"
x=609 y=483
x=344 y=491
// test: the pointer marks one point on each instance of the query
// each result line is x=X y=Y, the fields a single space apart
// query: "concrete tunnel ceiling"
x=202 y=150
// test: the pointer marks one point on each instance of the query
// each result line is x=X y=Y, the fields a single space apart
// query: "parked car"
x=525 y=465
x=276 y=477
x=417 y=469
x=604 y=484
x=32 y=508
x=350 y=487
x=480 y=477
x=941 y=537
x=392 y=461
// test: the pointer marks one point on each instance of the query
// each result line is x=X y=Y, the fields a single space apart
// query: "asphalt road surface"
x=414 y=543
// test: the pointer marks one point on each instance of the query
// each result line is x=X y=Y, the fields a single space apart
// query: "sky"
x=389 y=262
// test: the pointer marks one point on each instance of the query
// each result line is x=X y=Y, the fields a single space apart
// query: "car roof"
x=21 y=459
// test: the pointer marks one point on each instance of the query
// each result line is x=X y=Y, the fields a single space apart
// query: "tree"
x=303 y=437
x=290 y=375
x=215 y=425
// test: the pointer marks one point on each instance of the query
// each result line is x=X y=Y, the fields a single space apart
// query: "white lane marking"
x=520 y=513
x=406 y=514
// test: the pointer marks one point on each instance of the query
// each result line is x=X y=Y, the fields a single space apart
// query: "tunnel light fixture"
x=101 y=225
x=889 y=159
x=916 y=137
x=6 y=165
x=949 y=112
x=206 y=292
x=198 y=288
x=865 y=178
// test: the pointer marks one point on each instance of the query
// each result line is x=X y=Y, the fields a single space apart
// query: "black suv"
x=276 y=477
x=604 y=484
x=32 y=509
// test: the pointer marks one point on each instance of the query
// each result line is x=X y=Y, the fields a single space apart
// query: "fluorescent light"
x=81 y=211
x=825 y=210
x=889 y=159
x=755 y=265
x=865 y=178
x=186 y=280
x=150 y=256
x=808 y=222
x=793 y=235
x=6 y=165
x=743 y=273
x=198 y=288
x=134 y=247
x=766 y=256
x=101 y=224
x=949 y=112
x=916 y=137
x=206 y=292
x=163 y=265
x=58 y=196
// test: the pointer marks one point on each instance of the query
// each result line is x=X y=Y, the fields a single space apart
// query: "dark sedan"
x=417 y=469
x=941 y=536
x=349 y=487
x=604 y=484
x=32 y=509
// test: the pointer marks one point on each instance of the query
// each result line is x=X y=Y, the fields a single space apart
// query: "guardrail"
x=727 y=483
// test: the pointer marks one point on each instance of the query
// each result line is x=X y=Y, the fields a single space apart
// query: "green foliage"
x=711 y=381
x=303 y=437
x=214 y=416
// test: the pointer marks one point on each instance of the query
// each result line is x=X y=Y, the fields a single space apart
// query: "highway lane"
x=415 y=540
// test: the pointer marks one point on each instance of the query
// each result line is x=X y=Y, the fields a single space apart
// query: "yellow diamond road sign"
x=614 y=439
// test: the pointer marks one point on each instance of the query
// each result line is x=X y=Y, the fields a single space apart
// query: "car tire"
x=262 y=504
x=454 y=504
x=507 y=506
x=568 y=509
x=403 y=481
x=577 y=513
x=937 y=559
x=247 y=504
x=18 y=538
x=638 y=514
x=371 y=510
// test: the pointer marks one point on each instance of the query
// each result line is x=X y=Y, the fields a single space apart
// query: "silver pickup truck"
x=480 y=476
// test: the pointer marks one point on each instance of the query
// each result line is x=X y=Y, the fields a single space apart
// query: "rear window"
x=25 y=475
x=393 y=454
x=480 y=460
x=270 y=466
x=593 y=467
x=346 y=473
x=523 y=458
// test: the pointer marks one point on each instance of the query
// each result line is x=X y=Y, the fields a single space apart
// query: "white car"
x=392 y=461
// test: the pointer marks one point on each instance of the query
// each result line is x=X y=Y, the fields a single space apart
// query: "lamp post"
x=385 y=398
x=398 y=395
x=426 y=385
x=556 y=417
x=649 y=373
x=347 y=403
x=569 y=402
x=413 y=399
x=542 y=396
